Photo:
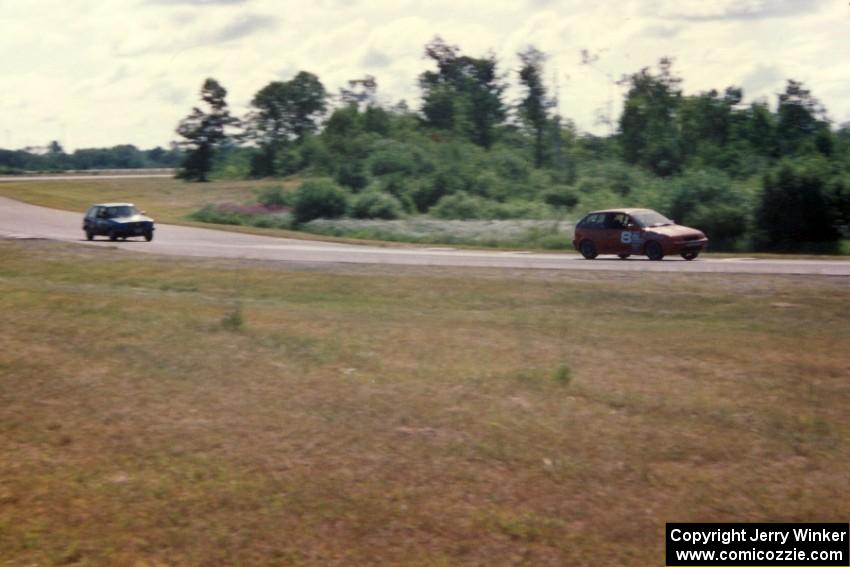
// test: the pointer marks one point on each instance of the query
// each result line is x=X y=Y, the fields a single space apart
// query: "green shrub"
x=375 y=205
x=510 y=165
x=273 y=196
x=723 y=223
x=795 y=206
x=377 y=120
x=288 y=161
x=396 y=157
x=460 y=206
x=707 y=200
x=427 y=195
x=590 y=185
x=319 y=198
x=443 y=182
x=217 y=214
x=352 y=174
x=212 y=214
x=561 y=196
x=313 y=155
x=262 y=162
x=400 y=187
x=488 y=184
x=233 y=165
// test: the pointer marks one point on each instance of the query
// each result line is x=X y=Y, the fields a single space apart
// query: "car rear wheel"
x=112 y=236
x=623 y=256
x=588 y=249
x=654 y=251
x=89 y=235
x=690 y=254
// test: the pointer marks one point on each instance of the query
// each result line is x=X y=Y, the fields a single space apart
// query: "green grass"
x=403 y=415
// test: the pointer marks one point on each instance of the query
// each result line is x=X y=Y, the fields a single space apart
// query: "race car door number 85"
x=627 y=237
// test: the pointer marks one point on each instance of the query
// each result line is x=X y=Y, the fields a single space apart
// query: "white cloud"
x=96 y=73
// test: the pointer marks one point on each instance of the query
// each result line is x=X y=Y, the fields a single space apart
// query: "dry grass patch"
x=169 y=200
x=412 y=416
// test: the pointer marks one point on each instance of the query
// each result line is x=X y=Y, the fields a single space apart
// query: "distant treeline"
x=54 y=158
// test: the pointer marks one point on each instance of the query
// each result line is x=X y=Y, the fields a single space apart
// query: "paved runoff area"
x=21 y=220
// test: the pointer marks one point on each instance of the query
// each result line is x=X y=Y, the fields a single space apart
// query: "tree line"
x=749 y=175
x=54 y=158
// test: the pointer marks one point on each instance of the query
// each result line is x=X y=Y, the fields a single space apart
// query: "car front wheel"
x=690 y=254
x=654 y=250
x=89 y=235
x=588 y=250
x=149 y=235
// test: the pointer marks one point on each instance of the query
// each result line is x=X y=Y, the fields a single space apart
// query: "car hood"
x=675 y=231
x=133 y=218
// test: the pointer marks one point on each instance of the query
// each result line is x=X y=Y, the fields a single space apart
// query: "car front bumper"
x=134 y=229
x=679 y=246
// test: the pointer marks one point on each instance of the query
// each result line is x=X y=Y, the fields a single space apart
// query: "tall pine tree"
x=204 y=131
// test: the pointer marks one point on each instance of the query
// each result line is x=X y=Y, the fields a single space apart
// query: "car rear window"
x=118 y=212
x=592 y=221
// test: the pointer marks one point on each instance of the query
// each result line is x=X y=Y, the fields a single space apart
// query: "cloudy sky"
x=92 y=73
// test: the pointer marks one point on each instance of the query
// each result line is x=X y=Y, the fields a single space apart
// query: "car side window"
x=615 y=220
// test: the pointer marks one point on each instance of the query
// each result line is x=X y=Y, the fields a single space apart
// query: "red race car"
x=635 y=231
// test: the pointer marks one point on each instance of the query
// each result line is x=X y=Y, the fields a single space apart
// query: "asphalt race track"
x=20 y=220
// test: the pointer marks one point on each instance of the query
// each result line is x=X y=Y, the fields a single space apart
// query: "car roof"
x=113 y=205
x=627 y=211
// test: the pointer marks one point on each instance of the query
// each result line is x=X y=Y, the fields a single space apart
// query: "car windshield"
x=119 y=212
x=649 y=219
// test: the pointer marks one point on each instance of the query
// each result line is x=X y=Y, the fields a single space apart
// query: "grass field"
x=166 y=200
x=171 y=412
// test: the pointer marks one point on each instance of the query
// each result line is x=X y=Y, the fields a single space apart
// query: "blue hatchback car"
x=117 y=220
